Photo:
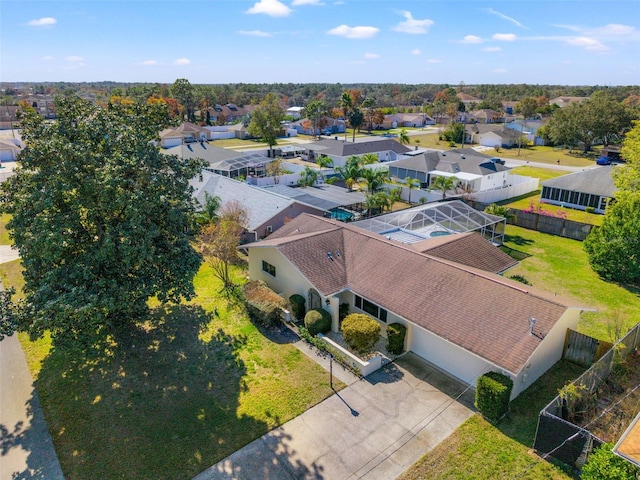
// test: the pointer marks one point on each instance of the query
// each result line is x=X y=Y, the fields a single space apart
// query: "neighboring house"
x=565 y=101
x=9 y=116
x=339 y=151
x=225 y=162
x=528 y=128
x=509 y=107
x=170 y=137
x=9 y=149
x=398 y=120
x=485 y=115
x=330 y=200
x=326 y=125
x=491 y=135
x=477 y=171
x=590 y=188
x=464 y=320
x=193 y=133
x=229 y=113
x=266 y=210
x=294 y=112
x=469 y=101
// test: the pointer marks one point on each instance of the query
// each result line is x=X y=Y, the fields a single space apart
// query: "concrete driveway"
x=375 y=428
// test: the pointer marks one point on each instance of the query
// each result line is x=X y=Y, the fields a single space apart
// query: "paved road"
x=26 y=448
x=374 y=429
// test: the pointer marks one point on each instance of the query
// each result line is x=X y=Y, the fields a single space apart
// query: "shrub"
x=603 y=463
x=395 y=338
x=520 y=278
x=343 y=311
x=493 y=392
x=361 y=332
x=263 y=304
x=317 y=321
x=297 y=303
x=590 y=209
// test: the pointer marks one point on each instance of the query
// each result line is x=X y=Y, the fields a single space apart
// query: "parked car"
x=603 y=161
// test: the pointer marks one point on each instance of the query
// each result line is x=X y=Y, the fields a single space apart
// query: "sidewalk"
x=26 y=448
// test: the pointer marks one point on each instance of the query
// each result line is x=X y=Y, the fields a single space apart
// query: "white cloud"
x=499 y=70
x=371 y=55
x=48 y=58
x=504 y=37
x=471 y=39
x=255 y=33
x=41 y=22
x=273 y=8
x=354 y=32
x=492 y=49
x=149 y=63
x=297 y=3
x=416 y=51
x=412 y=25
x=182 y=61
x=74 y=59
x=434 y=60
x=590 y=44
x=504 y=17
x=614 y=29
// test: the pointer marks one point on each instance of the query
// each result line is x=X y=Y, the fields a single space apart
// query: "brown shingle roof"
x=470 y=249
x=479 y=311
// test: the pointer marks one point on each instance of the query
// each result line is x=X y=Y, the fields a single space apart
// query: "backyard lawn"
x=185 y=390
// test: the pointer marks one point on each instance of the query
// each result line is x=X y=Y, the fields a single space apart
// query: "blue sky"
x=373 y=41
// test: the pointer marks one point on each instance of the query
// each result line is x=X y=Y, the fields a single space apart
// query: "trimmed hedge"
x=298 y=308
x=395 y=338
x=493 y=392
x=317 y=321
x=343 y=311
x=263 y=304
x=360 y=331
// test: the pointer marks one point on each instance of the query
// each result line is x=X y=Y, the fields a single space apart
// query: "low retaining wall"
x=365 y=367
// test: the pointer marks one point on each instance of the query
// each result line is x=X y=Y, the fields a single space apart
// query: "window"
x=371 y=308
x=270 y=269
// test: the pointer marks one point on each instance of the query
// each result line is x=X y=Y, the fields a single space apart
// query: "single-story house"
x=397 y=120
x=266 y=210
x=294 y=112
x=477 y=171
x=387 y=149
x=464 y=320
x=489 y=135
x=469 y=101
x=590 y=188
x=485 y=115
x=326 y=125
x=229 y=113
x=9 y=149
x=566 y=100
x=528 y=128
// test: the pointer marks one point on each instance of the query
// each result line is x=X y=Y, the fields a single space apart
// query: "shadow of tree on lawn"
x=161 y=402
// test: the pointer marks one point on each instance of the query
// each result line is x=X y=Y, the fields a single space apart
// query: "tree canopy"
x=100 y=218
x=614 y=247
x=266 y=120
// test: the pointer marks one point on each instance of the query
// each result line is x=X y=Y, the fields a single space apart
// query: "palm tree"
x=444 y=184
x=403 y=137
x=369 y=158
x=324 y=162
x=412 y=183
x=346 y=104
x=374 y=178
x=378 y=202
x=350 y=172
x=356 y=119
x=308 y=177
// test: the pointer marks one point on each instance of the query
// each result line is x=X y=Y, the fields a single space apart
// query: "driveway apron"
x=375 y=428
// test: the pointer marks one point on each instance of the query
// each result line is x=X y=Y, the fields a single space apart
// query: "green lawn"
x=480 y=450
x=4 y=234
x=560 y=265
x=185 y=390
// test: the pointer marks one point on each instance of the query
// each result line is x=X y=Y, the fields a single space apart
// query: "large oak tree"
x=99 y=216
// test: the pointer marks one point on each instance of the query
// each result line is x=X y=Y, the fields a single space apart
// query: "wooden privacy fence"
x=554 y=225
x=583 y=349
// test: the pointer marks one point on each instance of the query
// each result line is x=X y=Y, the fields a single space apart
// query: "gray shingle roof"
x=468 y=161
x=341 y=148
x=595 y=181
